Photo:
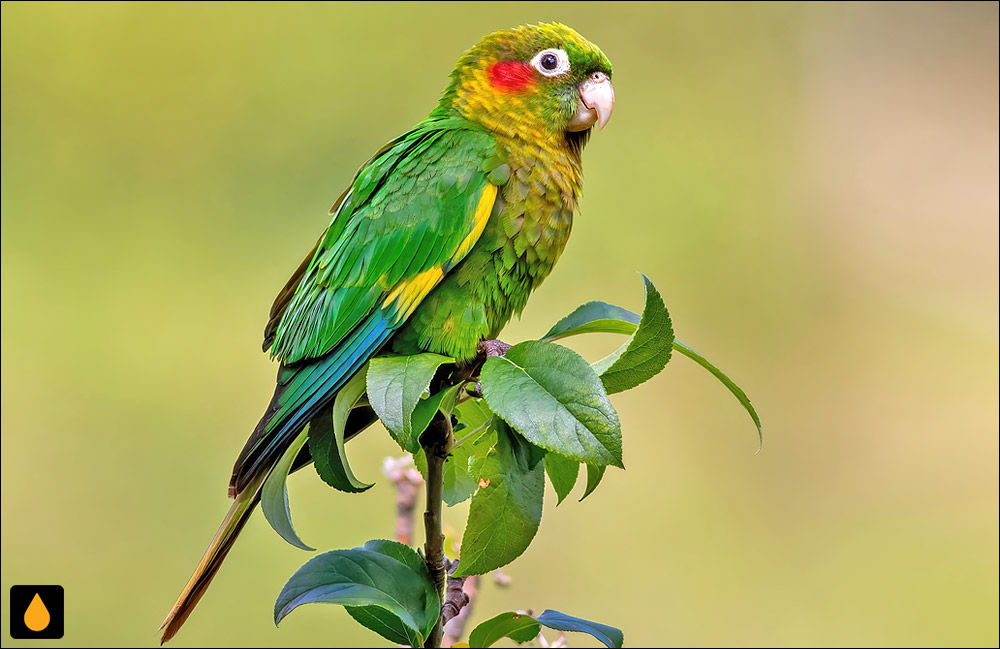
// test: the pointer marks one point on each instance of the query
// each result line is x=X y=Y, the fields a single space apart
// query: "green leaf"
x=465 y=464
x=726 y=381
x=563 y=473
x=395 y=385
x=382 y=621
x=607 y=318
x=506 y=509
x=614 y=369
x=594 y=476
x=385 y=624
x=594 y=317
x=611 y=637
x=645 y=353
x=383 y=575
x=326 y=438
x=525 y=453
x=549 y=394
x=519 y=627
x=274 y=495
x=425 y=410
x=473 y=413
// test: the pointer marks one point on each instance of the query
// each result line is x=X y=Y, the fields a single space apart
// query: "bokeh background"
x=813 y=188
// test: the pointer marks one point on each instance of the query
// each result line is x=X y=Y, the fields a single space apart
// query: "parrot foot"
x=485 y=350
x=491 y=348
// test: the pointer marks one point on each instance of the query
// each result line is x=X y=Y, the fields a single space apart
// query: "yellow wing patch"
x=483 y=210
x=409 y=293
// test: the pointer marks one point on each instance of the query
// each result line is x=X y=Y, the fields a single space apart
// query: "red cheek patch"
x=512 y=76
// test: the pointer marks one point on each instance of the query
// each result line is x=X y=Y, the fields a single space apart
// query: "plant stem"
x=435 y=441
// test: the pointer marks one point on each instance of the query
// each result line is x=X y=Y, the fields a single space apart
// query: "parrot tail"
x=245 y=502
x=231 y=527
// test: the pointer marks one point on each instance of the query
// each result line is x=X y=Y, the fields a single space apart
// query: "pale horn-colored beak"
x=596 y=101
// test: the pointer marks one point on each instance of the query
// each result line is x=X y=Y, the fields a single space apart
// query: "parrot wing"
x=411 y=214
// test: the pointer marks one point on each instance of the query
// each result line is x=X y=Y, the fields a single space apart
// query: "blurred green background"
x=813 y=188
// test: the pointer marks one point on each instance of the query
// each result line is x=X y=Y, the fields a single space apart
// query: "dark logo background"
x=20 y=600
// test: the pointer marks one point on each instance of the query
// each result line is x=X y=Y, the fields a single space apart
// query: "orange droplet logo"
x=36 y=617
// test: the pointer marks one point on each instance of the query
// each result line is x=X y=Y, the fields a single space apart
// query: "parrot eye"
x=551 y=62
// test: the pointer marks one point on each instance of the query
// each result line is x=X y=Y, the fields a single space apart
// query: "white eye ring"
x=545 y=57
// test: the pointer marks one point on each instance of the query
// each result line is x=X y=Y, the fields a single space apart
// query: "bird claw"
x=491 y=348
x=485 y=350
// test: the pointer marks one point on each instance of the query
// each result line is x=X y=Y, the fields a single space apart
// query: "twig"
x=501 y=578
x=435 y=441
x=408 y=480
x=455 y=597
x=558 y=643
x=468 y=587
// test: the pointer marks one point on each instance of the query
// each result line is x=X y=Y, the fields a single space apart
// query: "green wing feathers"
x=411 y=214
x=404 y=220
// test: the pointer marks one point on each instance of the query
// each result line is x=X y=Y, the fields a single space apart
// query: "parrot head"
x=534 y=82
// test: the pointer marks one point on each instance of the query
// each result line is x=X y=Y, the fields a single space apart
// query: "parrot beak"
x=596 y=101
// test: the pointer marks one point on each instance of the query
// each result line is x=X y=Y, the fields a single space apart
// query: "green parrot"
x=435 y=245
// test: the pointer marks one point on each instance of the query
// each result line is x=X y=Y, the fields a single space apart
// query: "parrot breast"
x=524 y=237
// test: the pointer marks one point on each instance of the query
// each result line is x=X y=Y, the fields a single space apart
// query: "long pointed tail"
x=231 y=527
x=246 y=500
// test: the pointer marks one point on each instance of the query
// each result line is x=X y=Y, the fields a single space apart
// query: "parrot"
x=434 y=246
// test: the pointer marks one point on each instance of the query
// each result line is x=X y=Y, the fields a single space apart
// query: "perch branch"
x=436 y=442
